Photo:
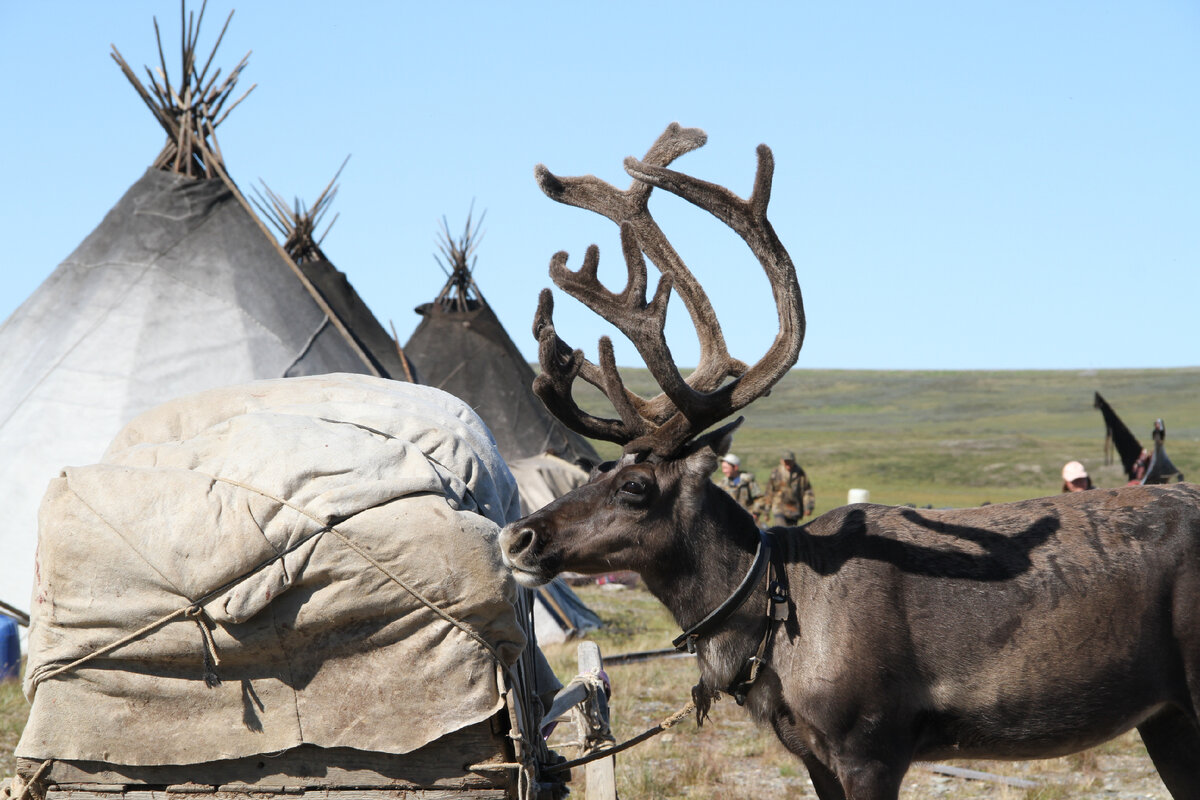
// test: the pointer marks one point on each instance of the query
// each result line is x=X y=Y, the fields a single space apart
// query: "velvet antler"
x=686 y=406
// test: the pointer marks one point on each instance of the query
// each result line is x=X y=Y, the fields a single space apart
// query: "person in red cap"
x=1075 y=477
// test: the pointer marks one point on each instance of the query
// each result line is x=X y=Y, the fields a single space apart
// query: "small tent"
x=460 y=346
x=298 y=225
x=179 y=289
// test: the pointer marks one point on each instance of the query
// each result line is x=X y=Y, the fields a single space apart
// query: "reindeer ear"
x=717 y=443
x=702 y=452
x=723 y=436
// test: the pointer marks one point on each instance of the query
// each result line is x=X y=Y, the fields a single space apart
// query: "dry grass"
x=14 y=710
x=731 y=759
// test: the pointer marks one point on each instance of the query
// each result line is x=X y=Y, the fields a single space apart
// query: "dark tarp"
x=370 y=334
x=1159 y=468
x=470 y=355
x=1119 y=436
x=560 y=615
x=179 y=289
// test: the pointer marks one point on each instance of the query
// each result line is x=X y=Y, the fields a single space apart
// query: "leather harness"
x=776 y=611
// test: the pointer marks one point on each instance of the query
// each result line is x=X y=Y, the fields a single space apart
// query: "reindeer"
x=873 y=636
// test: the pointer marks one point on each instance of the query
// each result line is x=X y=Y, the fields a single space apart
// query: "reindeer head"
x=635 y=511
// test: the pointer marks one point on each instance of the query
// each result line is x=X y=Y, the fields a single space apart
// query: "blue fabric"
x=10 y=649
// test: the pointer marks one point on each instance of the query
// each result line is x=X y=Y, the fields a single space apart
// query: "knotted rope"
x=669 y=722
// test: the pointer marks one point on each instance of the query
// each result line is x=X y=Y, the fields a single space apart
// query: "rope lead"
x=669 y=722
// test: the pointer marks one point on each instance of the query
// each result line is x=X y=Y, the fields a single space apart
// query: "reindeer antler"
x=685 y=407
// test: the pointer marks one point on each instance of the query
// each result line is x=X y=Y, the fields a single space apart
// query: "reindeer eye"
x=634 y=487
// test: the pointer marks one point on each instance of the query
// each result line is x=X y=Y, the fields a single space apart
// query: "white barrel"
x=858 y=496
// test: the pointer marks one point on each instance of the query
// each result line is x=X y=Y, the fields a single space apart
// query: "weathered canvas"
x=307 y=560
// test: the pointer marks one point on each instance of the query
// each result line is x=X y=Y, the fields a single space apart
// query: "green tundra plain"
x=959 y=438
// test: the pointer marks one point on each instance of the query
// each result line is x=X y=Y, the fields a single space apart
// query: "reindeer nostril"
x=520 y=541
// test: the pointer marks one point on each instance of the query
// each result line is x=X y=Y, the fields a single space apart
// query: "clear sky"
x=962 y=185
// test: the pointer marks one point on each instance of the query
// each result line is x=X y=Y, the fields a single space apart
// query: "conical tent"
x=179 y=289
x=298 y=225
x=1117 y=435
x=460 y=346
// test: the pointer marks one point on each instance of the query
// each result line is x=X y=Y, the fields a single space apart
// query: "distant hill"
x=954 y=438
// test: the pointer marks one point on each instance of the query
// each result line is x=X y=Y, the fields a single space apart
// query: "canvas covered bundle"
x=306 y=560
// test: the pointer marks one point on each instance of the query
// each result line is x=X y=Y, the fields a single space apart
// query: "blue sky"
x=982 y=185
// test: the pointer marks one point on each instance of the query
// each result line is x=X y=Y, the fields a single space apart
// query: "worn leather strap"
x=762 y=557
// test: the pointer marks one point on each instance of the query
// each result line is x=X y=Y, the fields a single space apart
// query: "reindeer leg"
x=871 y=781
x=1173 y=741
x=823 y=780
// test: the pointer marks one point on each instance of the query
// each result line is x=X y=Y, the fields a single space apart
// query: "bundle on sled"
x=291 y=586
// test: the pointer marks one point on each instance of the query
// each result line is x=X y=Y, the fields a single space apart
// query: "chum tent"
x=559 y=614
x=460 y=346
x=298 y=225
x=180 y=288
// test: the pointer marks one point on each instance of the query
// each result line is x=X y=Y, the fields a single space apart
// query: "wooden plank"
x=439 y=764
x=568 y=697
x=599 y=775
x=59 y=793
x=976 y=775
x=601 y=779
x=645 y=655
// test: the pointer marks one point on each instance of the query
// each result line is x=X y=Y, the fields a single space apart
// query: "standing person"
x=740 y=485
x=1075 y=477
x=789 y=495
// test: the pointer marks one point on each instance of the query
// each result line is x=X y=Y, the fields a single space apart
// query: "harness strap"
x=777 y=611
x=762 y=558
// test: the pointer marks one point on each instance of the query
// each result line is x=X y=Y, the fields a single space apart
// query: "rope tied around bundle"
x=194 y=610
x=211 y=659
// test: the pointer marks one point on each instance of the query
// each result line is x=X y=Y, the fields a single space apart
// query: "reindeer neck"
x=709 y=561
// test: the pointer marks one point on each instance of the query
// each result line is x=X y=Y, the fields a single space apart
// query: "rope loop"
x=209 y=645
x=669 y=722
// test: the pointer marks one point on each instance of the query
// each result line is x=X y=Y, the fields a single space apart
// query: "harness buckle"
x=750 y=670
x=779 y=603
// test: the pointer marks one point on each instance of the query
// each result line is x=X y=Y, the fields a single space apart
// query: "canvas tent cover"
x=544 y=478
x=338 y=533
x=178 y=290
x=469 y=354
x=348 y=305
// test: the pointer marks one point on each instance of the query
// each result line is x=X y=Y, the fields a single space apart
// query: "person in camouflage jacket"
x=740 y=485
x=789 y=495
